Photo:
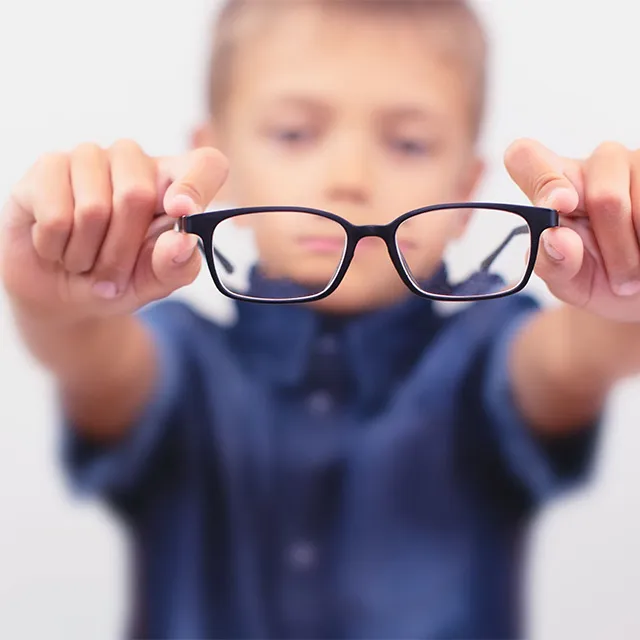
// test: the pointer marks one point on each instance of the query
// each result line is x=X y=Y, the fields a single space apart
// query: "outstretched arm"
x=565 y=361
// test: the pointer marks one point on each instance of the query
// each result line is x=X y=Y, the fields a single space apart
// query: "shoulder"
x=177 y=323
x=177 y=313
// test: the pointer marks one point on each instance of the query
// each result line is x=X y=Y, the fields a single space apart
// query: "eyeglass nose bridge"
x=383 y=231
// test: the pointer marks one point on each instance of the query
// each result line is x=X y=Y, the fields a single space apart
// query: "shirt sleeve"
x=545 y=466
x=116 y=470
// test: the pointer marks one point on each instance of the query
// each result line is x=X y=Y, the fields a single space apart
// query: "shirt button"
x=320 y=402
x=328 y=344
x=302 y=555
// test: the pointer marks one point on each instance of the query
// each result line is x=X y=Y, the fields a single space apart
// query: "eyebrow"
x=298 y=102
x=396 y=112
x=412 y=112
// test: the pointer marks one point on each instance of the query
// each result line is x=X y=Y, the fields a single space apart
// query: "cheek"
x=259 y=176
x=413 y=184
x=249 y=178
x=247 y=185
x=423 y=243
x=262 y=184
x=460 y=228
x=427 y=232
x=273 y=241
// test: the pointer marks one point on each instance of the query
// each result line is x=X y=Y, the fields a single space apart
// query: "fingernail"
x=185 y=255
x=106 y=290
x=552 y=252
x=628 y=289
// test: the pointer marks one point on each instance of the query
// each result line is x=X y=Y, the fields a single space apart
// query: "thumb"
x=543 y=175
x=564 y=265
x=175 y=262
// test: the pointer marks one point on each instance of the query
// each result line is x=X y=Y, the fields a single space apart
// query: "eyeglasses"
x=458 y=251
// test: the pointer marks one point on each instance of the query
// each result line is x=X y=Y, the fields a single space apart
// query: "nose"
x=349 y=167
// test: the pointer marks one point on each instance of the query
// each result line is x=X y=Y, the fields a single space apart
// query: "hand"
x=81 y=236
x=592 y=260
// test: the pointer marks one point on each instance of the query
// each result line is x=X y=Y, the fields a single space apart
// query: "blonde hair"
x=464 y=33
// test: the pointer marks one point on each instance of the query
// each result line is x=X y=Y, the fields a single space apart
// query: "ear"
x=207 y=135
x=204 y=135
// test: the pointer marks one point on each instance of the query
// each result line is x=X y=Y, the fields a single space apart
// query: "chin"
x=352 y=301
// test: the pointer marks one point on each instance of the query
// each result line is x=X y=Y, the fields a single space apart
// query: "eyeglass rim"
x=204 y=224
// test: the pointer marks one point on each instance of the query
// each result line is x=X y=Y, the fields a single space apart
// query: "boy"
x=360 y=467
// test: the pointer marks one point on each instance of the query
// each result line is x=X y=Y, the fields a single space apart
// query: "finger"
x=91 y=183
x=544 y=177
x=191 y=181
x=167 y=264
x=564 y=265
x=608 y=203
x=44 y=202
x=635 y=191
x=133 y=177
x=160 y=224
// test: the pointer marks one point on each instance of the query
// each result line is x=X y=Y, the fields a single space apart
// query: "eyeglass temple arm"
x=485 y=265
x=226 y=264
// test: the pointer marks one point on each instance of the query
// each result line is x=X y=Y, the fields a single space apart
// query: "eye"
x=291 y=135
x=411 y=146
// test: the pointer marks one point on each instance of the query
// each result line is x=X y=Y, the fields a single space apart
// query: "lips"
x=330 y=244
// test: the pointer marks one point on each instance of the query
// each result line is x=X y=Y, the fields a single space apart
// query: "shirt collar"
x=278 y=342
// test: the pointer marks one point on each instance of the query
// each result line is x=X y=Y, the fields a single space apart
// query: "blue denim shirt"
x=298 y=476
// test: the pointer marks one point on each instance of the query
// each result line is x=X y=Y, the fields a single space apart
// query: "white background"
x=564 y=71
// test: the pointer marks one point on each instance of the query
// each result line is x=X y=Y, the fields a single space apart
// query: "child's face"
x=355 y=114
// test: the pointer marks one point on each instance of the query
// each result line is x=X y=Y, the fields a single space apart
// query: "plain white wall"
x=563 y=71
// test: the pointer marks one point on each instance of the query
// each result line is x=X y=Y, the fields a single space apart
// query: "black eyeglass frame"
x=538 y=220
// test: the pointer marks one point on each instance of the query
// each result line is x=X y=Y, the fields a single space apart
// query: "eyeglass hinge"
x=179 y=225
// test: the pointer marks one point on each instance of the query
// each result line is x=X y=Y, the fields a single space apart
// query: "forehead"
x=351 y=56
